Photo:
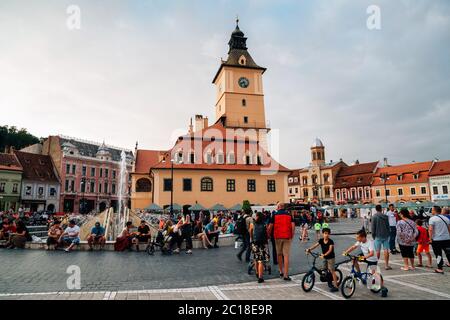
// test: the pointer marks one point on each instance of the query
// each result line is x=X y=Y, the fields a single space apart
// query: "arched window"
x=143 y=185
x=206 y=184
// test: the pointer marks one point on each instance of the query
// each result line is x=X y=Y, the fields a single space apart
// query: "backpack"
x=241 y=225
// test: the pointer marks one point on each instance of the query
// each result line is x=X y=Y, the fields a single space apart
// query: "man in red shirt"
x=283 y=227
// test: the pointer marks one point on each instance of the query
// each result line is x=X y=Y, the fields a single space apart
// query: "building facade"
x=316 y=181
x=439 y=179
x=402 y=183
x=10 y=182
x=89 y=173
x=353 y=183
x=225 y=162
x=40 y=183
x=293 y=186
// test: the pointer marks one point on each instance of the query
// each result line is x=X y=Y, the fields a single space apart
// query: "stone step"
x=225 y=240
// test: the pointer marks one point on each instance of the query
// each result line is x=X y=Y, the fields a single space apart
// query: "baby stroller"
x=266 y=262
x=161 y=241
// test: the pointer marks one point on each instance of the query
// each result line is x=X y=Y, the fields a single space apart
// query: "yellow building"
x=315 y=182
x=225 y=162
x=402 y=183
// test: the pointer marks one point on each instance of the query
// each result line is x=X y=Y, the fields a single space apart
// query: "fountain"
x=121 y=215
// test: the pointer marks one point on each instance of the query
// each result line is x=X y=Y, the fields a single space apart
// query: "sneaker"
x=189 y=252
x=216 y=246
x=176 y=250
x=260 y=280
x=67 y=250
x=388 y=268
x=287 y=278
x=281 y=275
x=334 y=289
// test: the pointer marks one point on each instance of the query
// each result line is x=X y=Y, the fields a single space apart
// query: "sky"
x=138 y=70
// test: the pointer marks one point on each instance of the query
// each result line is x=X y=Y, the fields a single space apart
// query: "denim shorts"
x=71 y=240
x=377 y=243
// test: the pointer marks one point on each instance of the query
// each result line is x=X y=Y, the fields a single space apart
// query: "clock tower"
x=239 y=87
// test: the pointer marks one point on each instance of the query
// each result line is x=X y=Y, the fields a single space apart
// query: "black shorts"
x=143 y=238
x=407 y=251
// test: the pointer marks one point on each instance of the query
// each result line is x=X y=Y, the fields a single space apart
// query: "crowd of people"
x=412 y=233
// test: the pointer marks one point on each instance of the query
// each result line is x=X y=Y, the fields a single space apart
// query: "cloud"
x=140 y=70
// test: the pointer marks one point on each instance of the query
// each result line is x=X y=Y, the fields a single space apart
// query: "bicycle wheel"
x=374 y=282
x=338 y=276
x=150 y=249
x=308 y=281
x=348 y=287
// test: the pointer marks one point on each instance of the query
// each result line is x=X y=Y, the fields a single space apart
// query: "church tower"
x=317 y=153
x=239 y=87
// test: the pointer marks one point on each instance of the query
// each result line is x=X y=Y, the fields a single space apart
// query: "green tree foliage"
x=246 y=207
x=17 y=138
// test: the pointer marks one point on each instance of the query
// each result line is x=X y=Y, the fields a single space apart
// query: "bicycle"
x=309 y=278
x=374 y=280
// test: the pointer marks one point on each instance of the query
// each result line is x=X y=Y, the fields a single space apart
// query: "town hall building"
x=224 y=162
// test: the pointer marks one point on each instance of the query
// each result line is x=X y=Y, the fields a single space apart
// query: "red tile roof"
x=440 y=168
x=406 y=170
x=218 y=138
x=37 y=167
x=362 y=168
x=145 y=159
x=9 y=162
x=356 y=175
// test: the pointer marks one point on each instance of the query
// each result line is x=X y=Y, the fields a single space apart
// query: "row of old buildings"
x=63 y=174
x=372 y=182
x=225 y=161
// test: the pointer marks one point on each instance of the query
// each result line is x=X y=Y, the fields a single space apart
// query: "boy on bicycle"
x=368 y=252
x=327 y=246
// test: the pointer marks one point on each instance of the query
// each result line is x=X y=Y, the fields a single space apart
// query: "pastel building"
x=89 y=173
x=10 y=181
x=439 y=179
x=40 y=182
x=353 y=183
x=401 y=183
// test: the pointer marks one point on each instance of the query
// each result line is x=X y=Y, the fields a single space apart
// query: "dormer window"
x=231 y=159
x=400 y=177
x=220 y=158
x=242 y=60
x=416 y=176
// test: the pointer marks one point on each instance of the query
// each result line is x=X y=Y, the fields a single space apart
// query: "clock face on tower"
x=243 y=82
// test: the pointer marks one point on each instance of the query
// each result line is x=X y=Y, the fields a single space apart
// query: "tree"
x=246 y=207
x=12 y=137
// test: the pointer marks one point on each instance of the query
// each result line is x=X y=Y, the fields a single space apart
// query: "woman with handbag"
x=406 y=235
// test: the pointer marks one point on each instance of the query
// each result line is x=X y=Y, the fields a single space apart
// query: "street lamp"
x=385 y=178
x=171 y=185
x=83 y=189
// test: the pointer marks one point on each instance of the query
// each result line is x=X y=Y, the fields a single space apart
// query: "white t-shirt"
x=71 y=231
x=391 y=218
x=440 y=227
x=366 y=247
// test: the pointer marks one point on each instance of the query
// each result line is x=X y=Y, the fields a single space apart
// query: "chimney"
x=205 y=122
x=357 y=161
x=198 y=122
x=385 y=162
x=191 y=127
